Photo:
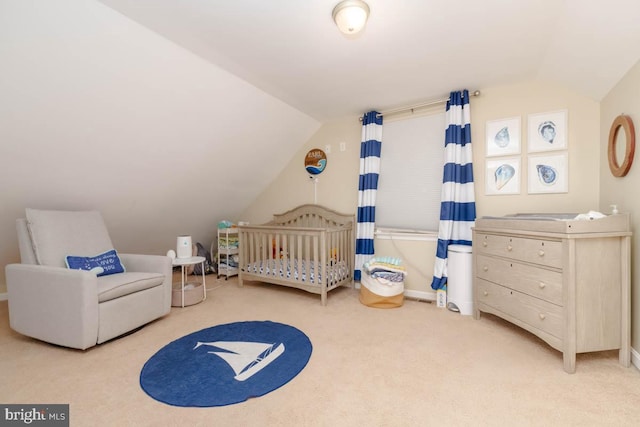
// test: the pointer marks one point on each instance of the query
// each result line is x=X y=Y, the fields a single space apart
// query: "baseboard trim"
x=4 y=297
x=635 y=358
x=420 y=295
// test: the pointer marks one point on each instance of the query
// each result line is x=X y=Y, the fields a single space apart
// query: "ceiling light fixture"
x=351 y=15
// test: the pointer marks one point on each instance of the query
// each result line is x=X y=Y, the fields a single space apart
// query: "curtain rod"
x=418 y=106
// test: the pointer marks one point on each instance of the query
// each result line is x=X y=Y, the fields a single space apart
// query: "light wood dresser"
x=566 y=281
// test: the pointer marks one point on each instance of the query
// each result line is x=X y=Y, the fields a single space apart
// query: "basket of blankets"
x=382 y=282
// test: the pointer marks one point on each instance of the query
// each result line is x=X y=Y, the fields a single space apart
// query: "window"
x=411 y=170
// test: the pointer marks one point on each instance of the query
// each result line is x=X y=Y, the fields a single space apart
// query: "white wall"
x=583 y=125
x=337 y=188
x=624 y=98
x=97 y=112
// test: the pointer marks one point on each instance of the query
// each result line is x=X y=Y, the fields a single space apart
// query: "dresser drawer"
x=540 y=314
x=526 y=278
x=538 y=251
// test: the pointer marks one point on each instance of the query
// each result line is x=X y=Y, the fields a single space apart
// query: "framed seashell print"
x=548 y=173
x=547 y=131
x=502 y=176
x=503 y=137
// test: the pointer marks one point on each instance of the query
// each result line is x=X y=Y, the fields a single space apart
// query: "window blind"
x=411 y=170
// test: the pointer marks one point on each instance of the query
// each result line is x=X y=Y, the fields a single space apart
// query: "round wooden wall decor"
x=626 y=124
x=315 y=161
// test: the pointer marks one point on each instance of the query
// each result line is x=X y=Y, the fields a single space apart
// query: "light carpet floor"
x=417 y=365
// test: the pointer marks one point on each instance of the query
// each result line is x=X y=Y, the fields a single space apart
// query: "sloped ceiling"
x=99 y=112
x=411 y=50
x=169 y=115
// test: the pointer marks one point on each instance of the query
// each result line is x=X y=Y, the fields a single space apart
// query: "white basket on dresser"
x=566 y=281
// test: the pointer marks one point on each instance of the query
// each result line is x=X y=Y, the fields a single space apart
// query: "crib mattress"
x=288 y=268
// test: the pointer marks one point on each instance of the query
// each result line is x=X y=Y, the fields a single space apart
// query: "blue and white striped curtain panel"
x=367 y=188
x=458 y=206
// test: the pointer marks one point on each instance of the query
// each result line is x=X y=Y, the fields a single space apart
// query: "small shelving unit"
x=227 y=252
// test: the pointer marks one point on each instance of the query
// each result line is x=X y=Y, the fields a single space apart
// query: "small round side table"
x=185 y=262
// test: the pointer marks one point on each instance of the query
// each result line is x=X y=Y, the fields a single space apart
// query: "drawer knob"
x=509 y=247
x=484 y=244
x=542 y=316
x=541 y=252
x=485 y=268
x=542 y=285
x=485 y=293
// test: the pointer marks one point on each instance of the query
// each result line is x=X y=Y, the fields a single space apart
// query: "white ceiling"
x=411 y=50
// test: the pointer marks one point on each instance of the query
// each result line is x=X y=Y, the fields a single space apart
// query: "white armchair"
x=75 y=308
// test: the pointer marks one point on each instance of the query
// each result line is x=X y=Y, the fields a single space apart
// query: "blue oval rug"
x=226 y=364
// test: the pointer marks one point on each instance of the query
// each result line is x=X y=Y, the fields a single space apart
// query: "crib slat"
x=315 y=260
x=322 y=271
x=300 y=251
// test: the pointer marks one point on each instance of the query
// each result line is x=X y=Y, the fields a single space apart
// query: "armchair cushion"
x=55 y=234
x=103 y=264
x=118 y=285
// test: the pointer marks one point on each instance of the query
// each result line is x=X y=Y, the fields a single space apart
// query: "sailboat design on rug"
x=245 y=358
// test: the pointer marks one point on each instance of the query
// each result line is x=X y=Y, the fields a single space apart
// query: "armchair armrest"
x=53 y=304
x=147 y=263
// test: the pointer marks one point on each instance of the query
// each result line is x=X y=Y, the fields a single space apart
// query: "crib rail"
x=311 y=252
x=313 y=216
